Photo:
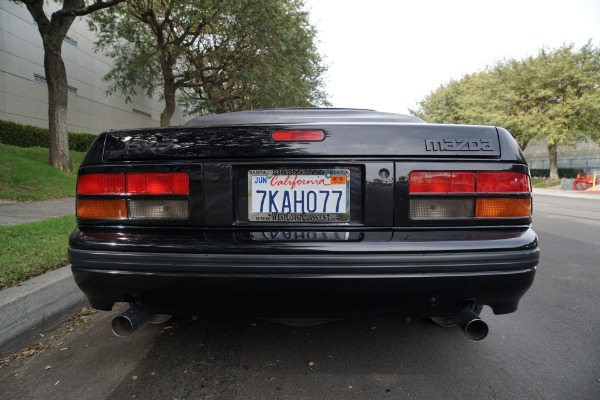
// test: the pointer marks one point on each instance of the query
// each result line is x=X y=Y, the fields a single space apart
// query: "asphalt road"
x=548 y=349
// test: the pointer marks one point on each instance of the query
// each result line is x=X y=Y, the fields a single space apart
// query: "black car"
x=305 y=213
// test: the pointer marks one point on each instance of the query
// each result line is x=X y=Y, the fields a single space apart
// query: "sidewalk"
x=13 y=213
x=37 y=304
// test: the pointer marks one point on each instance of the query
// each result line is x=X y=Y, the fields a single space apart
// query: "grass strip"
x=543 y=183
x=31 y=249
x=26 y=176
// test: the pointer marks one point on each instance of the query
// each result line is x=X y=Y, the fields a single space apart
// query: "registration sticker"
x=299 y=195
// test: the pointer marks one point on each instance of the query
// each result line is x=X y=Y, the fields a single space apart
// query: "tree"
x=53 y=31
x=553 y=96
x=558 y=96
x=279 y=65
x=477 y=99
x=207 y=51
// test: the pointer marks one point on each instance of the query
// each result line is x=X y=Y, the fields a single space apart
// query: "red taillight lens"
x=502 y=182
x=442 y=182
x=101 y=184
x=298 y=136
x=158 y=183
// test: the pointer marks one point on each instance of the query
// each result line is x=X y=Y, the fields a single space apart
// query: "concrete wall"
x=25 y=100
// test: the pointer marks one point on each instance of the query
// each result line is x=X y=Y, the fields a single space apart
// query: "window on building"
x=42 y=79
x=67 y=39
x=140 y=112
x=70 y=41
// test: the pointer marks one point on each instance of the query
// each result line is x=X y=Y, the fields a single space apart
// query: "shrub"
x=80 y=141
x=21 y=135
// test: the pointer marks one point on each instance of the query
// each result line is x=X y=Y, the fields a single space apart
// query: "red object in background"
x=584 y=179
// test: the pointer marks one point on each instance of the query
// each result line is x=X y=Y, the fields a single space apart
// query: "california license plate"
x=299 y=195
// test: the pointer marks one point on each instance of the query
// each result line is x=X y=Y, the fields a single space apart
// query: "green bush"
x=80 y=141
x=22 y=135
x=562 y=172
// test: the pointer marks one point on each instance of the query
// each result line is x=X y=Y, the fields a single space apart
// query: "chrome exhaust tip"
x=472 y=325
x=127 y=322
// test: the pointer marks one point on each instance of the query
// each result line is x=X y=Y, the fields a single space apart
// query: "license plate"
x=299 y=195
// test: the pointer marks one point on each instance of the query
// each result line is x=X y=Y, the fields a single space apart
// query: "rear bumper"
x=300 y=280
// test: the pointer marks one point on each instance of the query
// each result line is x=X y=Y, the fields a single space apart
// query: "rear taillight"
x=177 y=209
x=128 y=186
x=503 y=208
x=432 y=195
x=442 y=182
x=101 y=184
x=92 y=208
x=158 y=183
x=441 y=208
x=502 y=182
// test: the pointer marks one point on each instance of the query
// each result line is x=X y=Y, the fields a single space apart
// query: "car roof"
x=300 y=116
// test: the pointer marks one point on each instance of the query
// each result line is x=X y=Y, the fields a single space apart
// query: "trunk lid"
x=341 y=141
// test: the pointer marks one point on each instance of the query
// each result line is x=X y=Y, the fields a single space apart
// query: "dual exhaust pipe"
x=127 y=322
x=469 y=322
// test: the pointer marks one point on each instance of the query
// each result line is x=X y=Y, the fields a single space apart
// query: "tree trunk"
x=553 y=153
x=53 y=32
x=56 y=76
x=165 y=117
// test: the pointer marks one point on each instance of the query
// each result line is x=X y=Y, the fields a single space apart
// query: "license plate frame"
x=325 y=205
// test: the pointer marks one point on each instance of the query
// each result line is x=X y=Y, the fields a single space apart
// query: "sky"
x=387 y=55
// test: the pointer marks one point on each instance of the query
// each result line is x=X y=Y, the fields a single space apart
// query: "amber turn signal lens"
x=503 y=208
x=101 y=209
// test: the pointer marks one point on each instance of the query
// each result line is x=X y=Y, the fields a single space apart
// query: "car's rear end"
x=305 y=213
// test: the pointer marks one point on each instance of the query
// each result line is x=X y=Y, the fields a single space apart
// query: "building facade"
x=23 y=90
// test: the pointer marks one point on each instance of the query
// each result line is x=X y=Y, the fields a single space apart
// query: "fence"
x=586 y=162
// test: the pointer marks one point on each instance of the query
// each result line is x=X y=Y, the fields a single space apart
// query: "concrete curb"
x=567 y=193
x=35 y=305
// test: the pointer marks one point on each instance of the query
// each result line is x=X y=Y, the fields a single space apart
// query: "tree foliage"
x=217 y=55
x=53 y=30
x=554 y=96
